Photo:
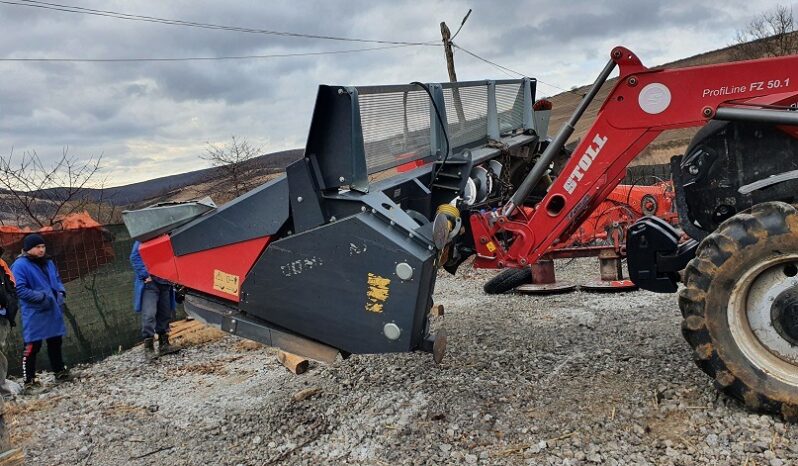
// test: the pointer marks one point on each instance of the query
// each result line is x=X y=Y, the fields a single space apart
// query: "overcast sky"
x=154 y=119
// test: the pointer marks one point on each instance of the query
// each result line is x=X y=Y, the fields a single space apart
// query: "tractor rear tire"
x=507 y=280
x=740 y=308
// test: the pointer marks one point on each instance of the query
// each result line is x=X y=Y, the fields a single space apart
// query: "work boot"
x=32 y=387
x=149 y=349
x=163 y=345
x=64 y=376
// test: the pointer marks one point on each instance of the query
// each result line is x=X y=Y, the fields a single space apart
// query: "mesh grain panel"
x=396 y=126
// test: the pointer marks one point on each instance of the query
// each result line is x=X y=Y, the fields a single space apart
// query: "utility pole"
x=447 y=51
x=447 y=37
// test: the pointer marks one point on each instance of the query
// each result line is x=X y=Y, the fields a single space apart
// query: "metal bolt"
x=332 y=219
x=411 y=235
x=363 y=208
x=707 y=112
x=299 y=199
x=342 y=179
x=392 y=331
x=616 y=54
x=392 y=223
x=340 y=91
x=404 y=271
x=522 y=261
x=632 y=81
x=692 y=169
x=430 y=247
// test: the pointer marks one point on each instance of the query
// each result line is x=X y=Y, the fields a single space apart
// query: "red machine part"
x=642 y=104
x=217 y=271
x=624 y=205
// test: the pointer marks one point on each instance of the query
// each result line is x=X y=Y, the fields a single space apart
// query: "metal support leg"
x=543 y=279
x=611 y=271
x=610 y=265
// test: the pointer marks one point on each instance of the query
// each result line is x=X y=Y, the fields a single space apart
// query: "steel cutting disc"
x=470 y=192
x=609 y=286
x=496 y=166
x=546 y=288
x=483 y=182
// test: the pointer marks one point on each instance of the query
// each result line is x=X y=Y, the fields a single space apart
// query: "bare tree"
x=232 y=160
x=39 y=194
x=770 y=34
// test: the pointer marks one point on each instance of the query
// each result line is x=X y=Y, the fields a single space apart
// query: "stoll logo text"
x=584 y=163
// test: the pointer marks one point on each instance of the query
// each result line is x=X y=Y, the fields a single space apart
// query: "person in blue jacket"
x=41 y=296
x=154 y=298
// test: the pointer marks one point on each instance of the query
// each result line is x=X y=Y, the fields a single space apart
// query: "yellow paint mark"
x=491 y=247
x=376 y=308
x=378 y=292
x=225 y=282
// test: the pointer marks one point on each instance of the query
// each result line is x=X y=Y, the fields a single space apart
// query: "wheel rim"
x=762 y=316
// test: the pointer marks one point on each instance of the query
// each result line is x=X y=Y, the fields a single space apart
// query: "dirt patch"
x=207 y=368
x=192 y=333
x=22 y=407
x=248 y=345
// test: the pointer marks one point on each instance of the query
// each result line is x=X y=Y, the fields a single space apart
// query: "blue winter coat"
x=41 y=297
x=141 y=274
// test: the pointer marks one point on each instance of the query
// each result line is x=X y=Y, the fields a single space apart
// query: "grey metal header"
x=385 y=88
x=361 y=130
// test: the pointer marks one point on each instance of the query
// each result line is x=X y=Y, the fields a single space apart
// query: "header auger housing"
x=324 y=260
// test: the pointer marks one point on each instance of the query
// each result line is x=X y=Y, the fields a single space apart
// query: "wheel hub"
x=784 y=315
x=763 y=316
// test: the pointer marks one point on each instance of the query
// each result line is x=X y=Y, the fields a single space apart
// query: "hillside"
x=165 y=187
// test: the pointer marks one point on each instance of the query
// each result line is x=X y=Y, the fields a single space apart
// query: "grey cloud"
x=136 y=113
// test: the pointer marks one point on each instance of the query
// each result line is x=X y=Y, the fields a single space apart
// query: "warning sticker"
x=377 y=293
x=491 y=247
x=225 y=282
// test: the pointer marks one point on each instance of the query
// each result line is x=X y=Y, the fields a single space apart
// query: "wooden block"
x=294 y=363
x=305 y=393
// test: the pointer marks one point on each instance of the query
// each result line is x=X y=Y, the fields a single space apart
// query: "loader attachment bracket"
x=655 y=255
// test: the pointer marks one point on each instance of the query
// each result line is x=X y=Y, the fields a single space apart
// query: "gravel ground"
x=571 y=379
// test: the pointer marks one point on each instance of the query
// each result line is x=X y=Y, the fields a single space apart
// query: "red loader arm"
x=643 y=104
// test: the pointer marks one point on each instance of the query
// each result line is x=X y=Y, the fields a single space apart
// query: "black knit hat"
x=31 y=241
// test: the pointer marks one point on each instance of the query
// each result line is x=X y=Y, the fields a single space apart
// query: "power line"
x=183 y=59
x=177 y=22
x=505 y=70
